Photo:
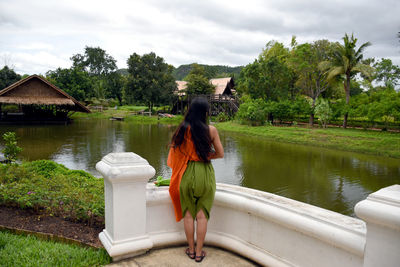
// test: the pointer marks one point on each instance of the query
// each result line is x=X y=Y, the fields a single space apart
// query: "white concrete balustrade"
x=269 y=229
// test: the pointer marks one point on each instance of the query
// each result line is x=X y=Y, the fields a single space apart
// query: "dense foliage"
x=268 y=77
x=94 y=61
x=93 y=77
x=7 y=77
x=75 y=82
x=48 y=187
x=150 y=80
x=253 y=112
x=379 y=108
x=345 y=62
x=291 y=83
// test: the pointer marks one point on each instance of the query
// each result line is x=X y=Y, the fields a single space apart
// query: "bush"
x=252 y=112
x=301 y=107
x=51 y=188
x=11 y=150
x=338 y=109
x=323 y=111
x=282 y=110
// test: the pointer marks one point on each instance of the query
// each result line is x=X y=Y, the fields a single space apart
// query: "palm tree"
x=346 y=62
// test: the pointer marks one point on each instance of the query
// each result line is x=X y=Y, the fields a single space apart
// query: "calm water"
x=330 y=179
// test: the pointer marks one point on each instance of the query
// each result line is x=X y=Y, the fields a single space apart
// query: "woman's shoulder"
x=213 y=130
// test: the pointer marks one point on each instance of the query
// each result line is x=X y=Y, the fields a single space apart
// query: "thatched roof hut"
x=35 y=90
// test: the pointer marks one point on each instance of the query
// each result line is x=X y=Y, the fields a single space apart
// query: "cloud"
x=42 y=35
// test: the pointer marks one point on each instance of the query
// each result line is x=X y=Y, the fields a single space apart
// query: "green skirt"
x=197 y=188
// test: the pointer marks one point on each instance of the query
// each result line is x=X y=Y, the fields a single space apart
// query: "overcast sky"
x=41 y=35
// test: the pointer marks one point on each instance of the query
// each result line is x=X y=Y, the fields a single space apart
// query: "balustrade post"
x=381 y=212
x=125 y=178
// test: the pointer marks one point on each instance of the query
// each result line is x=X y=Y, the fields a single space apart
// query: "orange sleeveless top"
x=177 y=161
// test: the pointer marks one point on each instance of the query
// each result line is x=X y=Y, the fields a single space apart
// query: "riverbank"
x=362 y=141
x=356 y=140
x=129 y=116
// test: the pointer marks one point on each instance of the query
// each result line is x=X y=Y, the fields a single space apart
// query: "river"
x=330 y=179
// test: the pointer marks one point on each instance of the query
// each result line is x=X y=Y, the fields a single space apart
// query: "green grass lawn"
x=21 y=250
x=364 y=141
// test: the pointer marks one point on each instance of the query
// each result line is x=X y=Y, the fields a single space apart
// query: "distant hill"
x=122 y=71
x=212 y=71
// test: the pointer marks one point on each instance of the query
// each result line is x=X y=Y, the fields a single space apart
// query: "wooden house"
x=223 y=86
x=222 y=100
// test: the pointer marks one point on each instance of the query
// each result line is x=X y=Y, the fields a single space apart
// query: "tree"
x=387 y=73
x=304 y=60
x=75 y=82
x=7 y=77
x=95 y=61
x=150 y=80
x=197 y=82
x=269 y=76
x=347 y=61
x=102 y=69
x=114 y=84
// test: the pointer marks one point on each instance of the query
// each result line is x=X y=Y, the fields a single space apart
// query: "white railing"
x=264 y=227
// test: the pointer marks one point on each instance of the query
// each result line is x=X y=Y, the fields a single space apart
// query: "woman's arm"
x=216 y=142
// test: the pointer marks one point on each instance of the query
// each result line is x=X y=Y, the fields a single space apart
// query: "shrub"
x=252 y=112
x=323 y=111
x=282 y=110
x=338 y=108
x=301 y=106
x=11 y=150
x=51 y=188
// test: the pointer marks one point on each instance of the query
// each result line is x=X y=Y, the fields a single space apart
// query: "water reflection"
x=330 y=179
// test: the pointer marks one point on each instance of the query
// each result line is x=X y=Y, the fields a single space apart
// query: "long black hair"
x=196 y=118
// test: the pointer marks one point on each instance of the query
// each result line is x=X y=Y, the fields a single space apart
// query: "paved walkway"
x=176 y=256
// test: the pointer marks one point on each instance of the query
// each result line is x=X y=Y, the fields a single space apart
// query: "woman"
x=192 y=185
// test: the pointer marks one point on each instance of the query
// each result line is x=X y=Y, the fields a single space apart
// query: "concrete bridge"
x=265 y=228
